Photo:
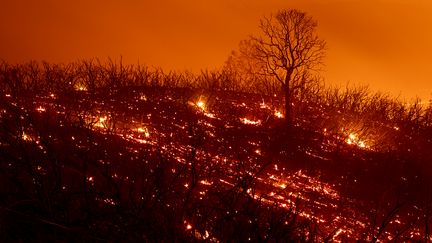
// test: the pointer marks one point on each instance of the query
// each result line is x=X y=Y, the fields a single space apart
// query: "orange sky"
x=384 y=43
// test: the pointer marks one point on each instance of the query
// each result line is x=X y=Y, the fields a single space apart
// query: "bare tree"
x=287 y=51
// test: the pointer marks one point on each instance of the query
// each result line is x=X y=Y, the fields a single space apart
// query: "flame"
x=80 y=87
x=353 y=139
x=263 y=105
x=143 y=130
x=201 y=105
x=278 y=114
x=101 y=122
x=282 y=185
x=26 y=137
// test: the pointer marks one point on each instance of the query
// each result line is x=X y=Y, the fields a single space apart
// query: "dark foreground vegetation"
x=115 y=153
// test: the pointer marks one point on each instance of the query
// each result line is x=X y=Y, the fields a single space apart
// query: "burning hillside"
x=177 y=163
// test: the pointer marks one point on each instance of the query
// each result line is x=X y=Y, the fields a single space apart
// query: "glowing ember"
x=250 y=122
x=209 y=115
x=40 y=109
x=205 y=182
x=143 y=141
x=338 y=233
x=109 y=201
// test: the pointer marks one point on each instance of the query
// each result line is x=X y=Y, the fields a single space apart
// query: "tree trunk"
x=288 y=107
x=288 y=98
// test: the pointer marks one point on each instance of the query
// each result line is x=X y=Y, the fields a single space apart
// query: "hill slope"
x=160 y=164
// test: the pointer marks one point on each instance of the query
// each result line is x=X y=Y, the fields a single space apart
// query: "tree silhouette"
x=287 y=50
